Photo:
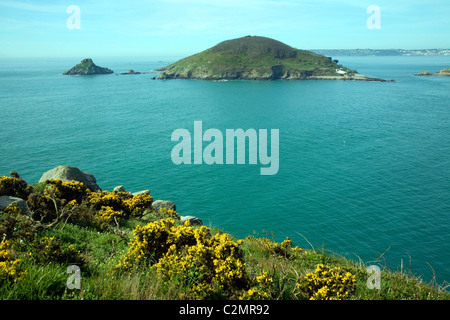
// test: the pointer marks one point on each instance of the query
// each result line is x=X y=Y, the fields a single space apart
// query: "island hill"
x=443 y=72
x=87 y=67
x=258 y=58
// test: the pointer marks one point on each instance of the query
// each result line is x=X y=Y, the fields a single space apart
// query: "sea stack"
x=87 y=67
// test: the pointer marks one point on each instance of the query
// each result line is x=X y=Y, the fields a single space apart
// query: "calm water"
x=364 y=167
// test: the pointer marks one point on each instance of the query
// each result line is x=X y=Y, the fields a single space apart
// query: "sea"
x=364 y=167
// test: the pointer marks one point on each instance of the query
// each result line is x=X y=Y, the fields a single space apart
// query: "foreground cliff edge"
x=60 y=240
x=259 y=58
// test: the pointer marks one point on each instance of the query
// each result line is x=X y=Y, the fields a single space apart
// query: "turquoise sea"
x=364 y=167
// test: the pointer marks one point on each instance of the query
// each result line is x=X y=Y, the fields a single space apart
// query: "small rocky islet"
x=444 y=72
x=87 y=67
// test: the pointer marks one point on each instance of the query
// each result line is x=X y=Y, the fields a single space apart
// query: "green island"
x=259 y=58
x=128 y=248
x=443 y=72
x=87 y=67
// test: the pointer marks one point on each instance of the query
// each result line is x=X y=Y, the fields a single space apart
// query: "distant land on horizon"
x=382 y=52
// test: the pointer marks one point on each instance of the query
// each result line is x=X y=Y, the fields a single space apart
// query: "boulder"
x=119 y=189
x=7 y=200
x=193 y=220
x=156 y=205
x=66 y=173
x=141 y=192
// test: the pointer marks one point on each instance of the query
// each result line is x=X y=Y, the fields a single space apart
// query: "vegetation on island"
x=87 y=67
x=126 y=250
x=258 y=58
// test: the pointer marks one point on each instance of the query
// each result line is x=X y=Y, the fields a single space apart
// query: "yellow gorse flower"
x=188 y=256
x=328 y=283
x=8 y=265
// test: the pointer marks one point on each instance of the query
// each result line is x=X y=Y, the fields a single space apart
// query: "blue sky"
x=178 y=28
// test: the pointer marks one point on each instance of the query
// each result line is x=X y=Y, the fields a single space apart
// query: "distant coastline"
x=382 y=52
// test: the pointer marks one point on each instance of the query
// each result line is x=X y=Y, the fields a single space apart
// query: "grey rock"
x=193 y=220
x=119 y=189
x=7 y=200
x=158 y=204
x=66 y=173
x=141 y=192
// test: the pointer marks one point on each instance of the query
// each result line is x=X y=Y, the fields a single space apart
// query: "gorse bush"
x=283 y=249
x=15 y=225
x=47 y=249
x=153 y=240
x=205 y=266
x=107 y=214
x=70 y=201
x=51 y=198
x=66 y=191
x=14 y=186
x=328 y=283
x=261 y=288
x=168 y=213
x=123 y=202
x=9 y=267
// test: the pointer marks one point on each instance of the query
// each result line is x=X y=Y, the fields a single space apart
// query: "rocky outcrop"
x=443 y=72
x=130 y=72
x=119 y=189
x=193 y=220
x=141 y=192
x=158 y=204
x=425 y=73
x=87 y=67
x=7 y=200
x=66 y=173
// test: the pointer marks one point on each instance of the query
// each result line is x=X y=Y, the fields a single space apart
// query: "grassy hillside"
x=257 y=58
x=125 y=250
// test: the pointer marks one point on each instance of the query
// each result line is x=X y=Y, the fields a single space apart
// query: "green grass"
x=103 y=250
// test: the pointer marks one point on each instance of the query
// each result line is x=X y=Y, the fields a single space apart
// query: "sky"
x=177 y=28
